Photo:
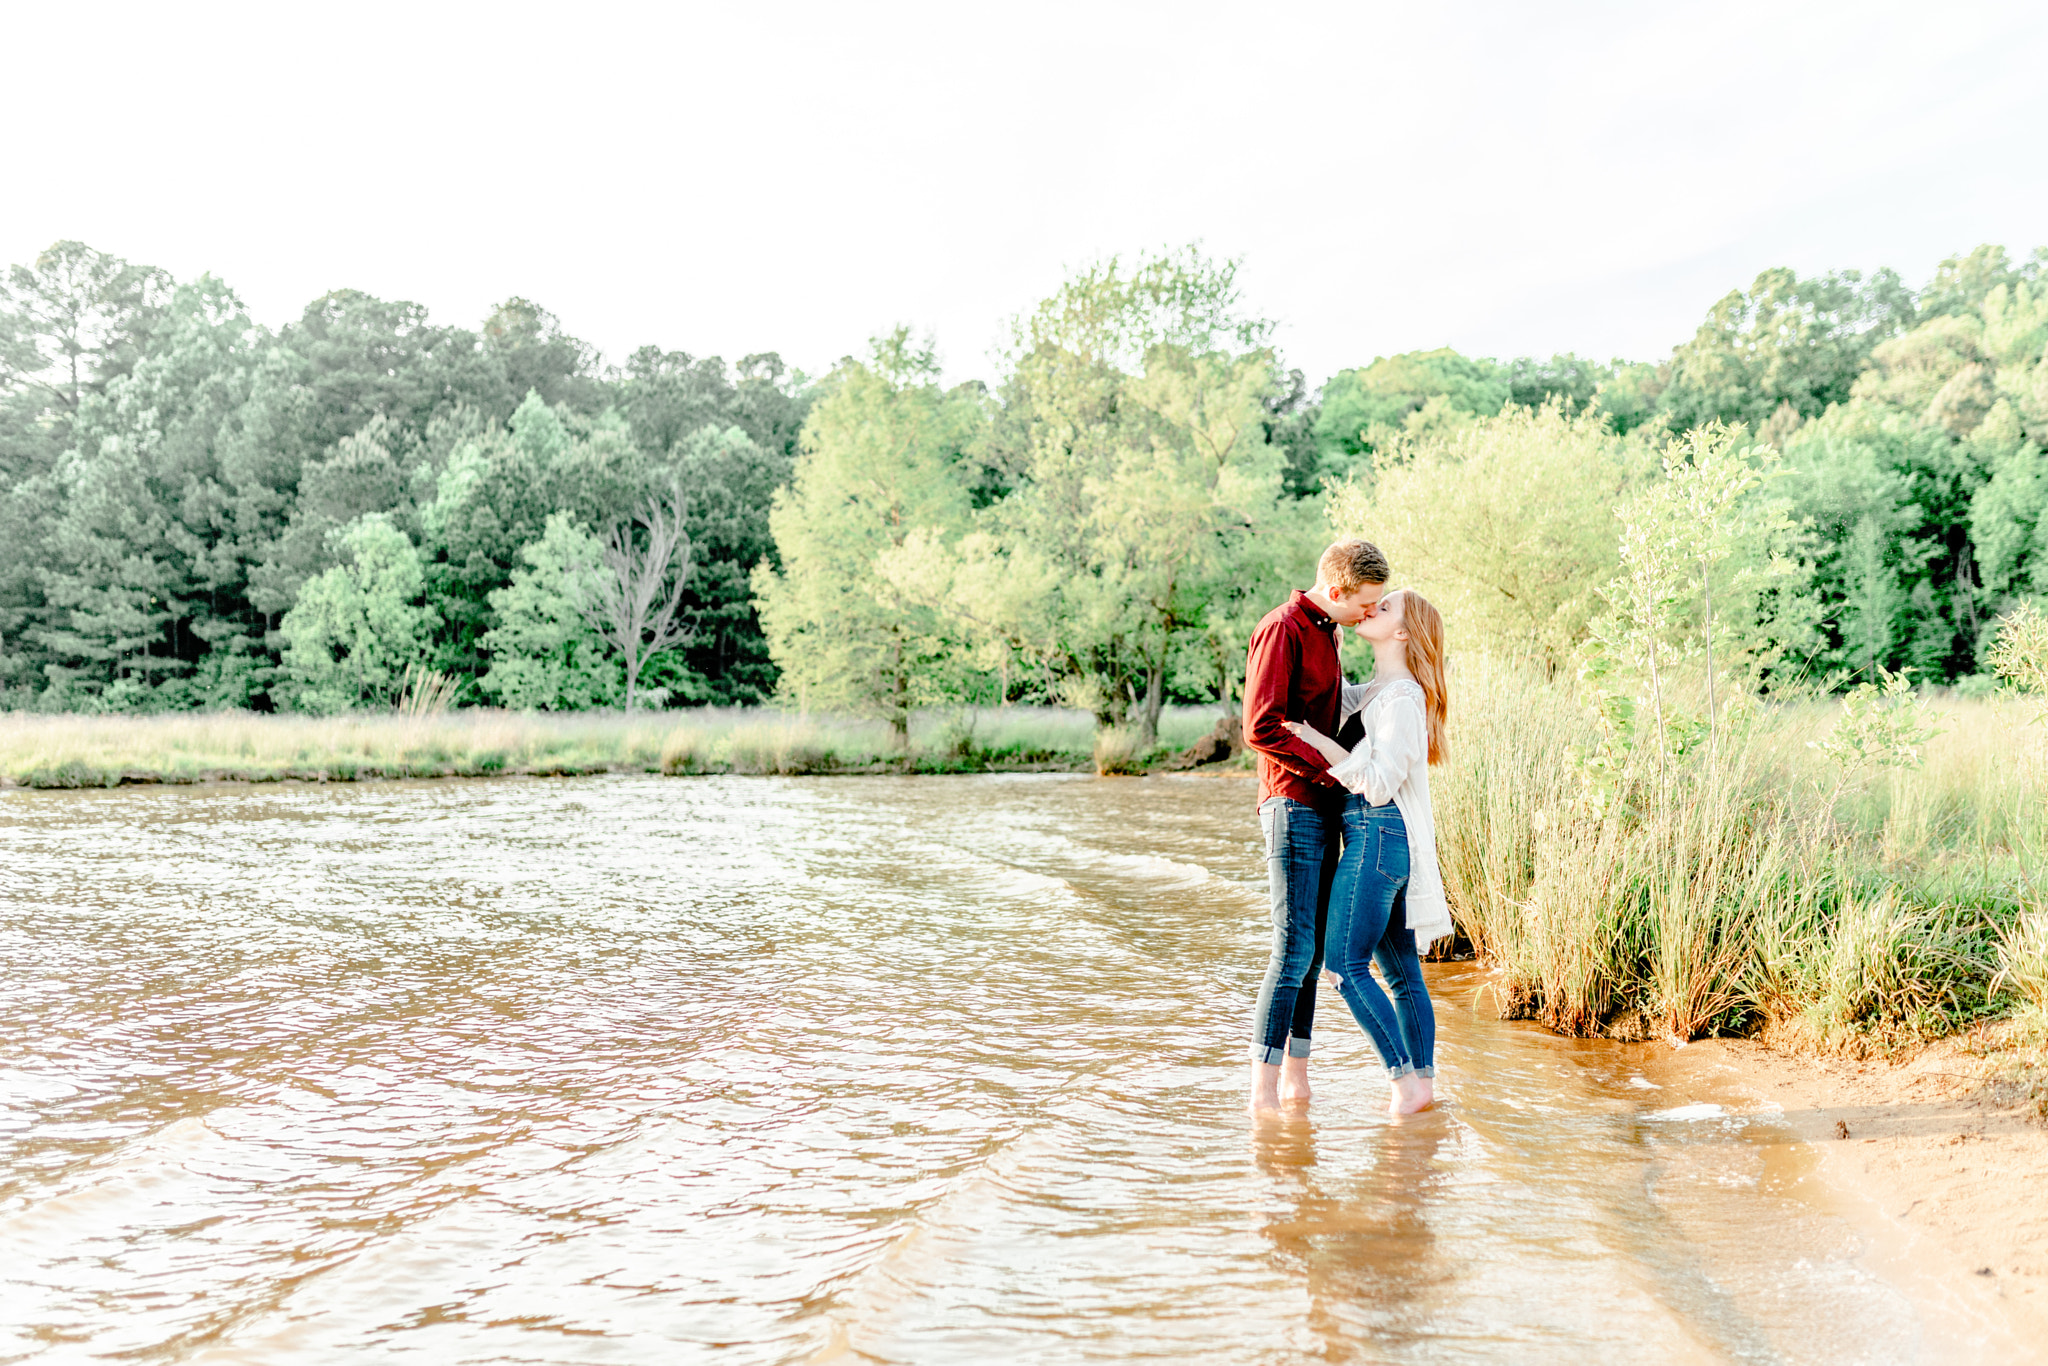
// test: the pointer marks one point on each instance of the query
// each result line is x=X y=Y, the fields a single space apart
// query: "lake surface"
x=812 y=1070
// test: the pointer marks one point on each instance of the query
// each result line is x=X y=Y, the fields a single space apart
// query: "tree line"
x=199 y=512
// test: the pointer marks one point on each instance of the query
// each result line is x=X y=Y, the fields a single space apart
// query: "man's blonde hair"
x=1351 y=564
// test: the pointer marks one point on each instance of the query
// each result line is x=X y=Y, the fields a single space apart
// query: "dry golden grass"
x=103 y=751
x=94 y=751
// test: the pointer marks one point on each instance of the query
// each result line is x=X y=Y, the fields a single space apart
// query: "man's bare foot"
x=1294 y=1081
x=1411 y=1093
x=1265 y=1088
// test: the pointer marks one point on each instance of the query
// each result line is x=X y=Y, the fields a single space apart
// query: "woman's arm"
x=1318 y=741
x=1394 y=744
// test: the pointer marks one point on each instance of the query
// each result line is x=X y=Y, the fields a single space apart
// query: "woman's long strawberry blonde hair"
x=1425 y=628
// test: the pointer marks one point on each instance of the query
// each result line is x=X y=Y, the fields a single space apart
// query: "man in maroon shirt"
x=1293 y=674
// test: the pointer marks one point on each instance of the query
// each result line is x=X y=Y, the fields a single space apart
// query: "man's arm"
x=1268 y=670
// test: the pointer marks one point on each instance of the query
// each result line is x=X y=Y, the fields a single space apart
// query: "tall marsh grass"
x=1771 y=888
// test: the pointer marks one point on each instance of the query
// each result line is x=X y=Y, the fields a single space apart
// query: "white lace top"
x=1392 y=764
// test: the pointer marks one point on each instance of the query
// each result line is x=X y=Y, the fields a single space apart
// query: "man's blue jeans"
x=1302 y=845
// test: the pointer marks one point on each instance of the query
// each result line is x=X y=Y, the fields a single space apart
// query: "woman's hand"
x=1322 y=743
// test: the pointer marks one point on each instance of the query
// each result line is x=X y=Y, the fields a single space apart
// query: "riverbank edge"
x=1942 y=1152
x=75 y=777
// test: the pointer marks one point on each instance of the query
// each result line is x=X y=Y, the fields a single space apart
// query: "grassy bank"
x=1775 y=887
x=107 y=751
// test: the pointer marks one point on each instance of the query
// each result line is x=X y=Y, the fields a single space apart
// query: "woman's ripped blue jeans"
x=1368 y=925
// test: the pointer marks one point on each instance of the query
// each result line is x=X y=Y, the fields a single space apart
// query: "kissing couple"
x=1344 y=807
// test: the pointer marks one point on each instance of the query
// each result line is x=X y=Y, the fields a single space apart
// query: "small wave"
x=27 y=1088
x=1688 y=1113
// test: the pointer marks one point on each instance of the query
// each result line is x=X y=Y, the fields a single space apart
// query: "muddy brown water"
x=789 y=1070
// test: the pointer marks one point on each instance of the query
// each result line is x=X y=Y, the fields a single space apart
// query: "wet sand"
x=1948 y=1174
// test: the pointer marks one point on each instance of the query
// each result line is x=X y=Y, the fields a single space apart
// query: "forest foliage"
x=197 y=512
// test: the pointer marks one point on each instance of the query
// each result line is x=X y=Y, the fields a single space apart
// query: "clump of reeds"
x=1790 y=881
x=428 y=692
x=2023 y=959
x=1511 y=769
x=1117 y=752
x=779 y=748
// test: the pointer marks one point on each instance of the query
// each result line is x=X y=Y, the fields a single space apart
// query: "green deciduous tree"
x=1873 y=603
x=358 y=626
x=882 y=458
x=492 y=496
x=1508 y=524
x=1961 y=283
x=544 y=656
x=1383 y=396
x=2009 y=525
x=1703 y=572
x=1575 y=382
x=1144 y=494
x=1784 y=341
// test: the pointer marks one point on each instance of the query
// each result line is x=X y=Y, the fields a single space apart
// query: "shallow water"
x=787 y=1070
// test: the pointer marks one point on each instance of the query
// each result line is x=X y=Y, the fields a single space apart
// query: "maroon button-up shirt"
x=1293 y=674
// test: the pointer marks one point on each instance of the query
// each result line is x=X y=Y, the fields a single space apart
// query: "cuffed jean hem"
x=1273 y=1057
x=1406 y=1069
x=1425 y=1072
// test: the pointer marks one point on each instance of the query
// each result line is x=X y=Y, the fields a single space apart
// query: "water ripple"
x=749 y=1070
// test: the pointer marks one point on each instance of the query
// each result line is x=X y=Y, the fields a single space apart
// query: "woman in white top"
x=1388 y=903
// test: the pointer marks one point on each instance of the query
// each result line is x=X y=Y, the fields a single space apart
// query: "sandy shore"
x=1943 y=1167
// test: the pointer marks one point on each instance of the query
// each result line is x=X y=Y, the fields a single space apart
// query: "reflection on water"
x=1362 y=1240
x=754 y=1070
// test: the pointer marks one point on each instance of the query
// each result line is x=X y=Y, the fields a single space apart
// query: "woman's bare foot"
x=1294 y=1081
x=1265 y=1088
x=1411 y=1093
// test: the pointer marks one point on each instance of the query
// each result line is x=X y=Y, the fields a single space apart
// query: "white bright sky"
x=1505 y=178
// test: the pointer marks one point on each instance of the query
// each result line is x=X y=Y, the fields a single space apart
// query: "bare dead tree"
x=632 y=599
